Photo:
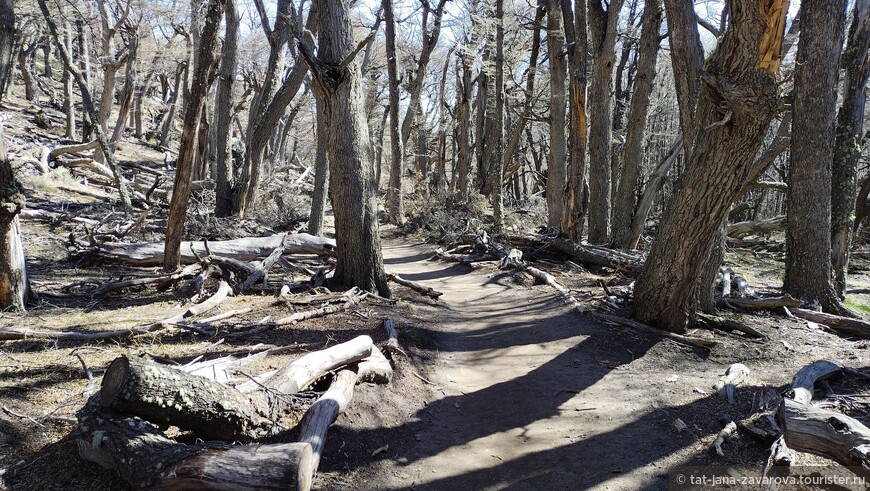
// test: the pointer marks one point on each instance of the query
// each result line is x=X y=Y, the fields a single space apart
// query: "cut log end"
x=114 y=380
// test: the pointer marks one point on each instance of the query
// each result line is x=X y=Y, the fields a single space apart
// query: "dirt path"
x=530 y=395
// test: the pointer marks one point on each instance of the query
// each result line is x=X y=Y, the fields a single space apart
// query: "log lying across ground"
x=148 y=459
x=858 y=328
x=598 y=256
x=811 y=429
x=112 y=434
x=245 y=249
x=417 y=287
x=740 y=230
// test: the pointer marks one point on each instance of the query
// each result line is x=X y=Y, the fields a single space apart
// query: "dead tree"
x=14 y=287
x=7 y=42
x=847 y=144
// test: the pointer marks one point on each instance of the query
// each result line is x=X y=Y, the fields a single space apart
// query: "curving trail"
x=530 y=395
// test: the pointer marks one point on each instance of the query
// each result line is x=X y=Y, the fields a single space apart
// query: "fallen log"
x=147 y=459
x=564 y=293
x=352 y=297
x=303 y=372
x=740 y=230
x=806 y=378
x=723 y=436
x=858 y=328
x=810 y=429
x=76 y=148
x=413 y=285
x=679 y=338
x=315 y=424
x=245 y=249
x=598 y=256
x=716 y=321
x=764 y=303
x=156 y=392
x=375 y=369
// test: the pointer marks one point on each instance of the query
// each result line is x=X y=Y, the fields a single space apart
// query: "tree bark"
x=687 y=59
x=359 y=261
x=808 y=237
x=557 y=160
x=496 y=142
x=463 y=125
x=321 y=175
x=603 y=25
x=847 y=143
x=632 y=157
x=395 y=198
x=7 y=43
x=193 y=112
x=14 y=285
x=741 y=79
x=223 y=113
x=575 y=194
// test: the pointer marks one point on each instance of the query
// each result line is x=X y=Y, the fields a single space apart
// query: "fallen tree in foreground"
x=118 y=428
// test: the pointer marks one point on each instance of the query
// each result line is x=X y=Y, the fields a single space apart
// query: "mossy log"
x=162 y=394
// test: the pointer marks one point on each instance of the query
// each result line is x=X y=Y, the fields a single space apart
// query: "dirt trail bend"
x=530 y=395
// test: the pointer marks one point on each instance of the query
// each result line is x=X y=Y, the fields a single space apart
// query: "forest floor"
x=503 y=387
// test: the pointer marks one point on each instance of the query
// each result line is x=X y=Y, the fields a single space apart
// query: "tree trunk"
x=463 y=123
x=741 y=78
x=496 y=169
x=557 y=161
x=808 y=237
x=603 y=26
x=687 y=59
x=14 y=285
x=847 y=146
x=223 y=113
x=576 y=37
x=193 y=112
x=358 y=260
x=68 y=94
x=24 y=67
x=147 y=459
x=395 y=198
x=321 y=175
x=7 y=43
x=623 y=202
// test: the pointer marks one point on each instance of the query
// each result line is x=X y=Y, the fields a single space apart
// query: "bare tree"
x=337 y=84
x=808 y=237
x=223 y=112
x=187 y=147
x=7 y=42
x=847 y=146
x=557 y=161
x=736 y=105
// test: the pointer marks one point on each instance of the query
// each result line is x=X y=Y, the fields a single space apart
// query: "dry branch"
x=679 y=338
x=417 y=287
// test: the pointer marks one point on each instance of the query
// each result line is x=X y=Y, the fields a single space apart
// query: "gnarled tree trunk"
x=736 y=105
